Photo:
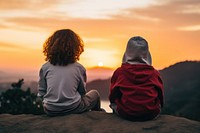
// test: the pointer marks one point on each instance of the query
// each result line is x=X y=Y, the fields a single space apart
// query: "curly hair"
x=63 y=47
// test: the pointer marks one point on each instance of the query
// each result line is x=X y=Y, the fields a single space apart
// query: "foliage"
x=17 y=101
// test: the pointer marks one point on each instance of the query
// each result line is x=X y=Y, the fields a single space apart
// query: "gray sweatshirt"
x=61 y=87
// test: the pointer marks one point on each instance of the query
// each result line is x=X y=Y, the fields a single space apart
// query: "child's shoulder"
x=118 y=71
x=79 y=66
x=75 y=65
x=46 y=64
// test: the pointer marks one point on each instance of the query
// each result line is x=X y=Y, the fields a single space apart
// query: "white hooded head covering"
x=137 y=51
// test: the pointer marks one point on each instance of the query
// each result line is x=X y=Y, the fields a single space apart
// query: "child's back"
x=62 y=83
x=136 y=91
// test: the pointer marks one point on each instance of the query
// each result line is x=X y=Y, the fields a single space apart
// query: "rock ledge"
x=94 y=122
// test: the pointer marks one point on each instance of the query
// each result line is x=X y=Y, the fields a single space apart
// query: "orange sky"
x=172 y=28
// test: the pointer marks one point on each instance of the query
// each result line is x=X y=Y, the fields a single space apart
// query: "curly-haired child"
x=62 y=80
x=136 y=91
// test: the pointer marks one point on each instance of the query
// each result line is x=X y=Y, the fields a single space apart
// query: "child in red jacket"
x=136 y=91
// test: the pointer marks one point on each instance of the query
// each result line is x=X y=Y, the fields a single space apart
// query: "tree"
x=18 y=101
x=18 y=85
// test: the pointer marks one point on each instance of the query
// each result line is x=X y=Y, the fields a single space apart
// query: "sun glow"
x=100 y=64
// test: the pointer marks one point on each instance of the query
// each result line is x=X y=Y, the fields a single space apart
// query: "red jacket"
x=137 y=89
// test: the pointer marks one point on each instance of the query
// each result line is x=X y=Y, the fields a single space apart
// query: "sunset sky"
x=172 y=28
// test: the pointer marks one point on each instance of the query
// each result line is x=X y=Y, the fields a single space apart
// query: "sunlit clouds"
x=95 y=9
x=25 y=38
x=172 y=28
x=190 y=28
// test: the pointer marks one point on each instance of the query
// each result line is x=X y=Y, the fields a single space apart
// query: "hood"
x=137 y=73
x=137 y=52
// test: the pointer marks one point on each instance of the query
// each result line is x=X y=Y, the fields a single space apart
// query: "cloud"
x=155 y=16
x=27 y=39
x=170 y=15
x=72 y=9
x=95 y=9
x=190 y=28
x=10 y=47
x=13 y=4
x=58 y=14
x=191 y=9
x=2 y=26
x=159 y=18
x=96 y=40
x=26 y=4
x=91 y=9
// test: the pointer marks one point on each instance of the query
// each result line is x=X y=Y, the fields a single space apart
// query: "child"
x=136 y=91
x=62 y=83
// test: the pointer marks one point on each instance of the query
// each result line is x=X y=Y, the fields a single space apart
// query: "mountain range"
x=182 y=89
x=100 y=73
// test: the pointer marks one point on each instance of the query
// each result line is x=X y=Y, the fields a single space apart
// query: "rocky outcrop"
x=94 y=122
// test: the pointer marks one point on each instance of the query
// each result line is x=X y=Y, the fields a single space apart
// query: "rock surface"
x=94 y=122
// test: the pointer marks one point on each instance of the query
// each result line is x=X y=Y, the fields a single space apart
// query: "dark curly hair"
x=63 y=47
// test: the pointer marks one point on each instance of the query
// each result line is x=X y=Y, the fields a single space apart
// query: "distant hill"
x=101 y=73
x=102 y=86
x=8 y=77
x=182 y=89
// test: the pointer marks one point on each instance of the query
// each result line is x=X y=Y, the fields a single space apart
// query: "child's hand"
x=39 y=99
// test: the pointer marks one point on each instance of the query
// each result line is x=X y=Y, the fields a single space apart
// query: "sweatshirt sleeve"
x=82 y=85
x=114 y=89
x=160 y=88
x=42 y=87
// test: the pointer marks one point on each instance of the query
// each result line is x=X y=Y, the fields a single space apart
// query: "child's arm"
x=42 y=87
x=81 y=88
x=115 y=94
x=82 y=85
x=160 y=89
x=114 y=89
